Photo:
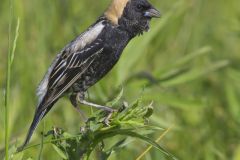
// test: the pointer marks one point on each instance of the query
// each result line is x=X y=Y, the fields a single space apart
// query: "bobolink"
x=90 y=56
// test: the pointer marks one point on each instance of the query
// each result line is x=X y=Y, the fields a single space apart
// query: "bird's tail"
x=37 y=117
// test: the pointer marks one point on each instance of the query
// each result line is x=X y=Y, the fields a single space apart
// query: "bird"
x=90 y=56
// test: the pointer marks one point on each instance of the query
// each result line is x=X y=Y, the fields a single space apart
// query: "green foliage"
x=129 y=120
x=188 y=65
x=10 y=58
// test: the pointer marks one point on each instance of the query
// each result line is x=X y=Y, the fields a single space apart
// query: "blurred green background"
x=188 y=64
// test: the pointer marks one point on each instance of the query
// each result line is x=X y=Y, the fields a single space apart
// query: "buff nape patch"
x=115 y=10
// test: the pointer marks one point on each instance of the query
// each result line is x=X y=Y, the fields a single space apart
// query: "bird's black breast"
x=114 y=40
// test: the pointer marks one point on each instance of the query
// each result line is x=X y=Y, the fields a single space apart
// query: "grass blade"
x=10 y=58
x=15 y=41
x=196 y=73
x=151 y=142
x=150 y=147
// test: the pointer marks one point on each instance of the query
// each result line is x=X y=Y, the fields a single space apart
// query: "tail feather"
x=38 y=116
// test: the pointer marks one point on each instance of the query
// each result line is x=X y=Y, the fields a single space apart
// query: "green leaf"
x=237 y=153
x=60 y=152
x=176 y=67
x=115 y=147
x=17 y=156
x=149 y=141
x=233 y=100
x=174 y=100
x=195 y=74
x=13 y=154
x=115 y=100
x=149 y=111
x=128 y=122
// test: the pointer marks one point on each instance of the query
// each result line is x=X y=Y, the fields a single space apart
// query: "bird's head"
x=132 y=15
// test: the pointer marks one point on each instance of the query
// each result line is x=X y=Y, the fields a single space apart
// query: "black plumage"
x=89 y=57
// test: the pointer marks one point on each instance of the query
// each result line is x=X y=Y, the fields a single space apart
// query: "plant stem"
x=42 y=141
x=7 y=93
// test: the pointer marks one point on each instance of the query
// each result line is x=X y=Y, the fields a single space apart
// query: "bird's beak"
x=152 y=13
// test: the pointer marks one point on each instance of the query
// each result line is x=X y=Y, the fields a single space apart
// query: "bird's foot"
x=106 y=120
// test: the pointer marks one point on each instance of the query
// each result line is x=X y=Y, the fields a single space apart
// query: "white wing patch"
x=88 y=36
x=79 y=43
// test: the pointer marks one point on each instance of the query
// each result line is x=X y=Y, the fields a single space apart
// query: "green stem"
x=8 y=85
x=49 y=141
x=42 y=141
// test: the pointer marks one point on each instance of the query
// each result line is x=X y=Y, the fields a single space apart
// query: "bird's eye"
x=139 y=7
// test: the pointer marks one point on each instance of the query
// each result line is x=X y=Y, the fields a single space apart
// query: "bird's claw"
x=106 y=120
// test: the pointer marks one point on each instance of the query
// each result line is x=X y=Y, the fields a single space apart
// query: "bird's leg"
x=81 y=100
x=73 y=99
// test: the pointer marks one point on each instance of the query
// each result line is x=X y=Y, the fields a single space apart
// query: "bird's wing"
x=67 y=71
x=73 y=61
